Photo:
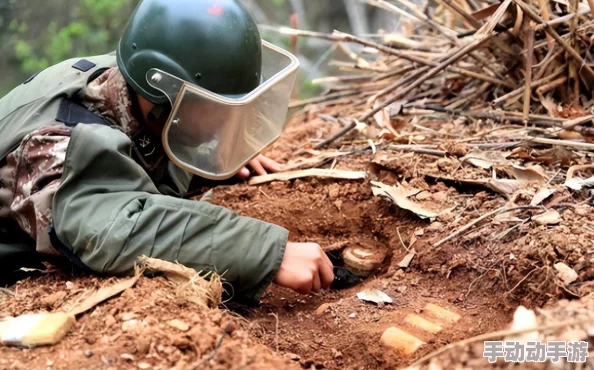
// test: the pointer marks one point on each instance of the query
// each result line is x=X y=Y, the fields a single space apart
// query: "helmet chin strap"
x=159 y=112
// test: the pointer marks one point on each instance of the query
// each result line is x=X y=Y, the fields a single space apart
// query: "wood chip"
x=405 y=262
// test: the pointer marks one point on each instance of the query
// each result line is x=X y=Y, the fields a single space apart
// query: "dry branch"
x=313 y=172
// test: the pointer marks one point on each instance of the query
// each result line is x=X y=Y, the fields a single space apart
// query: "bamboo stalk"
x=548 y=29
x=433 y=72
x=551 y=85
x=533 y=84
x=390 y=51
x=528 y=79
x=458 y=9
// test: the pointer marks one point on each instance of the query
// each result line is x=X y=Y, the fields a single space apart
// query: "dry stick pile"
x=511 y=62
x=500 y=90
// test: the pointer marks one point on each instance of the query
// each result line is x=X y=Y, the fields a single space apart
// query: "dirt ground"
x=482 y=276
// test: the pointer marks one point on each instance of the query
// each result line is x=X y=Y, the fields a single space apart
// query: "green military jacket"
x=108 y=211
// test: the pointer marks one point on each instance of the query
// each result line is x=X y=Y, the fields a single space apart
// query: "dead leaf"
x=105 y=293
x=528 y=174
x=565 y=273
x=507 y=217
x=550 y=217
x=399 y=196
x=541 y=194
x=366 y=130
x=504 y=186
x=550 y=105
x=382 y=118
x=577 y=183
x=486 y=159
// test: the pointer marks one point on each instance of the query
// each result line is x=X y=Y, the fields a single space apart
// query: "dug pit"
x=336 y=330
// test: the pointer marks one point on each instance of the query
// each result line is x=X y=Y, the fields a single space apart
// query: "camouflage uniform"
x=110 y=193
x=32 y=173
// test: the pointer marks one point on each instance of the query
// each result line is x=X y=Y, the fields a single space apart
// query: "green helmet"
x=214 y=44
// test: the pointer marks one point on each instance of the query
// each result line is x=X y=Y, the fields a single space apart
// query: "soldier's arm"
x=31 y=176
x=109 y=212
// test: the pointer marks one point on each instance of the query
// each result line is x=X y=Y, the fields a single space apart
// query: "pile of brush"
x=522 y=62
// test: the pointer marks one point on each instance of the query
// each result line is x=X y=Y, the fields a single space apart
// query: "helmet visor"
x=214 y=136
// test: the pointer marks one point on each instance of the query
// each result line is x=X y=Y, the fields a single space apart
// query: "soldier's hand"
x=305 y=268
x=261 y=165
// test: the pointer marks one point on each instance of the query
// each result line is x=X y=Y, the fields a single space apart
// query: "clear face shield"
x=214 y=136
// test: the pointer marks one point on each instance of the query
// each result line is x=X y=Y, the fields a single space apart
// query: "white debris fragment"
x=565 y=273
x=374 y=295
x=523 y=319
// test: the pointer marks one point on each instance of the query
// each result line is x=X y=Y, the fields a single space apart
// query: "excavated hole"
x=335 y=330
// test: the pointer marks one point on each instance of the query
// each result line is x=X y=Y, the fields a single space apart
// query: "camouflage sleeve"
x=31 y=177
x=109 y=212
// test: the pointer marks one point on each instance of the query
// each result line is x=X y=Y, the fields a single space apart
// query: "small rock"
x=69 y=285
x=49 y=363
x=144 y=366
x=323 y=309
x=179 y=325
x=440 y=196
x=336 y=353
x=583 y=210
x=109 y=321
x=53 y=299
x=565 y=273
x=523 y=319
x=424 y=195
x=88 y=353
x=419 y=232
x=550 y=217
x=293 y=356
x=435 y=226
x=130 y=325
x=106 y=360
x=90 y=338
x=127 y=316
x=127 y=356
x=353 y=315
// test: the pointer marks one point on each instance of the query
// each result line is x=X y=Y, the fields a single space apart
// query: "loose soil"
x=481 y=280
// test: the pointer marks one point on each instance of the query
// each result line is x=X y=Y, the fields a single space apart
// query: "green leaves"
x=89 y=27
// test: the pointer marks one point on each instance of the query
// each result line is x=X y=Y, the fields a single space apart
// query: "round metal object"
x=363 y=261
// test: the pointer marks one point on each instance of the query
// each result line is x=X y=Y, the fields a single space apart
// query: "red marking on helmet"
x=216 y=10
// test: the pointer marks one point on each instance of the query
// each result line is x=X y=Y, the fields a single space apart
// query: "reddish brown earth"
x=290 y=330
